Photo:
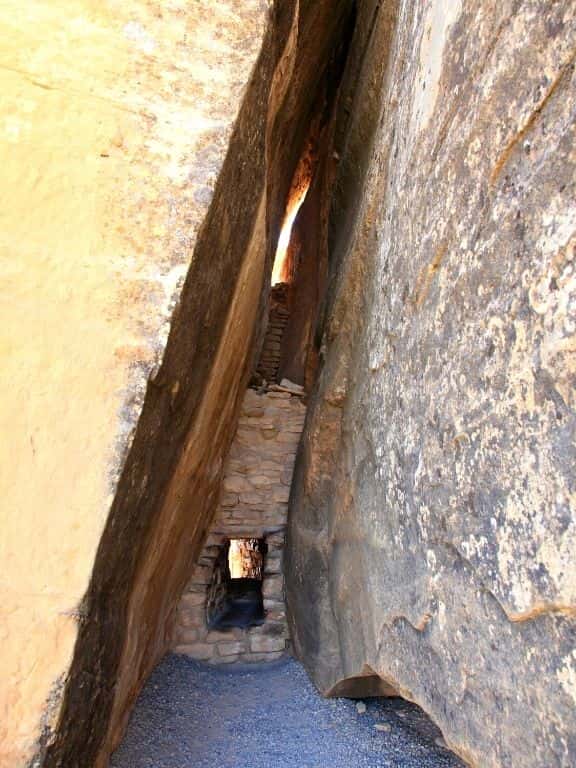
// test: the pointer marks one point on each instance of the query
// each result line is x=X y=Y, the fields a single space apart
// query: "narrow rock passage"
x=191 y=715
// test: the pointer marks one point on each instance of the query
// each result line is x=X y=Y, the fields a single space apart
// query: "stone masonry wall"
x=254 y=504
x=277 y=321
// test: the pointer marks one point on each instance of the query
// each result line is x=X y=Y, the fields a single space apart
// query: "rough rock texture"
x=278 y=314
x=116 y=118
x=120 y=412
x=432 y=526
x=254 y=504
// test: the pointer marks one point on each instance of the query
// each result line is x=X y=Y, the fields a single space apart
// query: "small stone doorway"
x=235 y=595
x=253 y=507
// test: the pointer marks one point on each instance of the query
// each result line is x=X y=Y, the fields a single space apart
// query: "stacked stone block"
x=277 y=321
x=254 y=504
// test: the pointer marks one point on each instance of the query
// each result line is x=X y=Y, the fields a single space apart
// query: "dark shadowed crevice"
x=314 y=626
x=301 y=261
x=235 y=597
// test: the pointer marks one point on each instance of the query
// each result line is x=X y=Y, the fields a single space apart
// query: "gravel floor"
x=191 y=715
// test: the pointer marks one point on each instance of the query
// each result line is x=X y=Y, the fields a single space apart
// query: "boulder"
x=432 y=526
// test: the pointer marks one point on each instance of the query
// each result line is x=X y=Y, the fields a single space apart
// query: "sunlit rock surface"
x=432 y=536
x=132 y=329
x=115 y=122
x=433 y=518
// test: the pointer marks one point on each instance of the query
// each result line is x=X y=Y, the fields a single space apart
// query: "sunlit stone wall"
x=114 y=122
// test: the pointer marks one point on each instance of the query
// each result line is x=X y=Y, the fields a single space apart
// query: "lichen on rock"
x=432 y=527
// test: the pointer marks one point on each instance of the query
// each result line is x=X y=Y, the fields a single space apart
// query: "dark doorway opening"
x=235 y=593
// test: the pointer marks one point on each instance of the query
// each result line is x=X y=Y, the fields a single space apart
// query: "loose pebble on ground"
x=191 y=715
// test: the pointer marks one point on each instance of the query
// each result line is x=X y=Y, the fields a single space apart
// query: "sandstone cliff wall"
x=148 y=153
x=432 y=530
x=432 y=526
x=116 y=118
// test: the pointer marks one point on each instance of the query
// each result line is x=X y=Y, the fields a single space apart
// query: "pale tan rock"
x=261 y=481
x=115 y=124
x=189 y=619
x=272 y=465
x=277 y=615
x=231 y=648
x=185 y=635
x=287 y=384
x=281 y=493
x=200 y=651
x=286 y=476
x=269 y=433
x=195 y=615
x=263 y=657
x=267 y=644
x=251 y=498
x=225 y=659
x=262 y=511
x=231 y=499
x=236 y=484
x=192 y=600
x=214 y=636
